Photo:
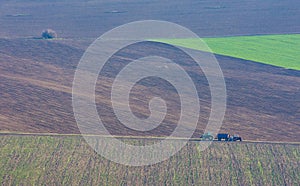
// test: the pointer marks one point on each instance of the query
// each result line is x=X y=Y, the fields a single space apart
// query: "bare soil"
x=36 y=92
x=36 y=75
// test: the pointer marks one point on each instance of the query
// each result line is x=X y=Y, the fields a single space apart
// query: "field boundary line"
x=8 y=133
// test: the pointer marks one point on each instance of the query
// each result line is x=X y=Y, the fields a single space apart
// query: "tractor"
x=235 y=138
x=223 y=136
x=207 y=137
x=227 y=137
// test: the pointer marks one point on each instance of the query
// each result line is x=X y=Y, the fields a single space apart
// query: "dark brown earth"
x=36 y=92
x=36 y=75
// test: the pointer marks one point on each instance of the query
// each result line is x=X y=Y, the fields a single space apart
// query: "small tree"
x=49 y=34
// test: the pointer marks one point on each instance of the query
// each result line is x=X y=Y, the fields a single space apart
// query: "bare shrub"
x=49 y=34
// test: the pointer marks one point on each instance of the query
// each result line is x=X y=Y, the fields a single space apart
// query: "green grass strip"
x=277 y=50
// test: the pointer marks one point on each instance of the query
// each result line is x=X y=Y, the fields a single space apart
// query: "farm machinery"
x=228 y=137
x=207 y=137
x=221 y=136
x=235 y=138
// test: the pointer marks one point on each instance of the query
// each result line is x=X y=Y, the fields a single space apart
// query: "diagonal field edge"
x=277 y=50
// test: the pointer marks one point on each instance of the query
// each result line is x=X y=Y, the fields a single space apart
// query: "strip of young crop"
x=59 y=160
x=277 y=50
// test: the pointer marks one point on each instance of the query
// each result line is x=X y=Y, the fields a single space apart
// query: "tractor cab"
x=235 y=137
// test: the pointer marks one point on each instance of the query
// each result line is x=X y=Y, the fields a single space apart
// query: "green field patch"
x=277 y=50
